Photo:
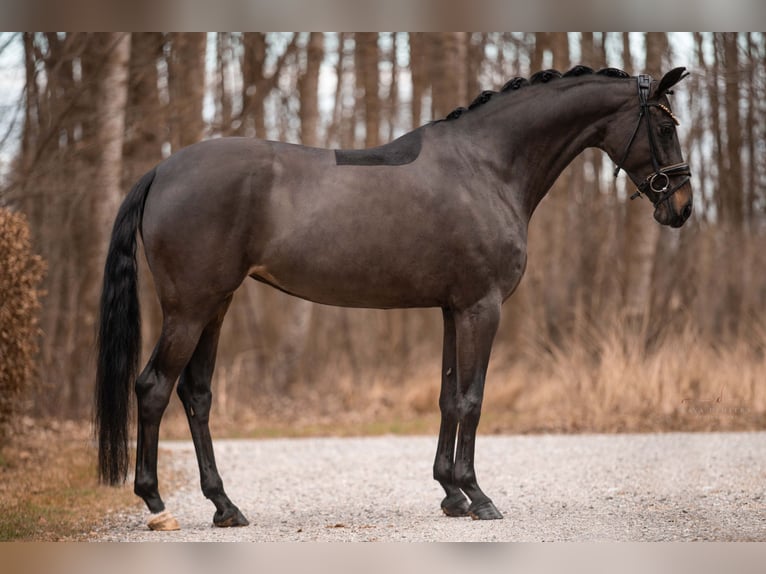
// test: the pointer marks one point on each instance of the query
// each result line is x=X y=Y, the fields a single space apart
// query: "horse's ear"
x=671 y=79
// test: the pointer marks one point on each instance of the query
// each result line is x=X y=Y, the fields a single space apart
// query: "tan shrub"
x=20 y=274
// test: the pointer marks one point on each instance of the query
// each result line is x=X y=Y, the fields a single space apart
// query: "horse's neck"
x=535 y=139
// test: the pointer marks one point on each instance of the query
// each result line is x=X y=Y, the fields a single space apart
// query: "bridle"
x=657 y=185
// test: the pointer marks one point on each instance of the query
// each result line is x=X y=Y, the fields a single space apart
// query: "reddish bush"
x=20 y=275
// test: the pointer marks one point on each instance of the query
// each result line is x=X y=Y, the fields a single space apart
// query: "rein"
x=656 y=186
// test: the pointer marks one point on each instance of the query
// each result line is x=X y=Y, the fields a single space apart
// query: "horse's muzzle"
x=666 y=214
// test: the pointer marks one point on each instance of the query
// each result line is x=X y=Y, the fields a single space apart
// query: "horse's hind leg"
x=153 y=388
x=195 y=394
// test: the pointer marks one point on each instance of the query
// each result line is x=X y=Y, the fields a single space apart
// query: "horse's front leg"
x=455 y=503
x=475 y=330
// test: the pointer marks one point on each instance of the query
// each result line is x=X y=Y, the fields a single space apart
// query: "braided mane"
x=542 y=77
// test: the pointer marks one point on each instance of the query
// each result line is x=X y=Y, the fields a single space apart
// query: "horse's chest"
x=513 y=263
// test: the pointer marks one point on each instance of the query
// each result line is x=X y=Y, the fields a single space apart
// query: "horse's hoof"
x=229 y=518
x=164 y=521
x=484 y=511
x=455 y=505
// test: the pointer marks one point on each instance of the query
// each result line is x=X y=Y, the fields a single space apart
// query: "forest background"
x=618 y=325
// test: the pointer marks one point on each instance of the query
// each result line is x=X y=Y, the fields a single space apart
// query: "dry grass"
x=48 y=485
x=608 y=382
x=684 y=383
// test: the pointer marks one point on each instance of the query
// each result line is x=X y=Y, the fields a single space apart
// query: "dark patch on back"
x=401 y=151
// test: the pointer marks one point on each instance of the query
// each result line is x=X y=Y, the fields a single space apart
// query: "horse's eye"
x=667 y=130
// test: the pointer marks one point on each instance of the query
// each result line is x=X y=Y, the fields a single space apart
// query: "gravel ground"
x=652 y=487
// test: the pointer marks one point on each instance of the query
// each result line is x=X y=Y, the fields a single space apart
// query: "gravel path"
x=659 y=487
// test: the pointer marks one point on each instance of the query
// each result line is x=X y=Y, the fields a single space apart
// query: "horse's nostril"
x=687 y=211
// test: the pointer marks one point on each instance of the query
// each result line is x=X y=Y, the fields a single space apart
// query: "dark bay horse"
x=436 y=218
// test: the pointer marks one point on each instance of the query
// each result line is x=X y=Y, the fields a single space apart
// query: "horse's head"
x=652 y=156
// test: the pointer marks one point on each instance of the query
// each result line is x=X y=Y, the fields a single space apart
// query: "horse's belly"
x=351 y=287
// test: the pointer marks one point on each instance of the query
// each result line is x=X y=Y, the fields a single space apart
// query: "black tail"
x=119 y=337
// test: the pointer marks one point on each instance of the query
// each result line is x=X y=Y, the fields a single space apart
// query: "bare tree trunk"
x=256 y=85
x=474 y=59
x=538 y=53
x=448 y=72
x=457 y=52
x=642 y=231
x=731 y=186
x=111 y=117
x=731 y=179
x=559 y=45
x=308 y=86
x=253 y=86
x=144 y=135
x=367 y=80
x=627 y=55
x=715 y=115
x=224 y=92
x=104 y=201
x=560 y=266
x=61 y=174
x=30 y=134
x=393 y=91
x=750 y=130
x=347 y=110
x=332 y=137
x=186 y=82
x=44 y=104
x=420 y=83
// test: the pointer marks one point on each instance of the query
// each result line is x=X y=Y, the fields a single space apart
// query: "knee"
x=469 y=407
x=447 y=408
